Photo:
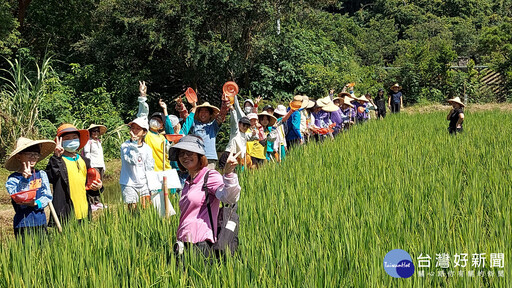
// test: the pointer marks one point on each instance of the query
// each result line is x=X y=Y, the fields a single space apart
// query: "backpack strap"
x=205 y=189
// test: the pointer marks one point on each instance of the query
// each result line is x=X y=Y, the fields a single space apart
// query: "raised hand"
x=59 y=150
x=163 y=106
x=231 y=162
x=27 y=171
x=257 y=100
x=143 y=89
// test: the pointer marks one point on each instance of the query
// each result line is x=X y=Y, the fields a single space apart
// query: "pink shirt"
x=194 y=224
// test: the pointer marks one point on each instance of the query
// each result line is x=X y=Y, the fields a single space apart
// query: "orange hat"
x=67 y=128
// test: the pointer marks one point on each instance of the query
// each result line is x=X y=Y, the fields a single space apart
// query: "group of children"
x=73 y=196
x=255 y=137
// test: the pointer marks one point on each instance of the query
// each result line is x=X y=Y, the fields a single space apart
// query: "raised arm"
x=143 y=106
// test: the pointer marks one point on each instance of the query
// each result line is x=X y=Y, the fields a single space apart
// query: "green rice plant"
x=325 y=217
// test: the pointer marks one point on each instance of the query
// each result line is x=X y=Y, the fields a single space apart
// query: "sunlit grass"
x=326 y=217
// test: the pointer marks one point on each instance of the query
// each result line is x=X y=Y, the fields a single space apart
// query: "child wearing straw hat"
x=67 y=171
x=455 y=116
x=29 y=188
x=93 y=151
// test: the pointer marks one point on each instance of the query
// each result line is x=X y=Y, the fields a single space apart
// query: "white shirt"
x=135 y=161
x=94 y=152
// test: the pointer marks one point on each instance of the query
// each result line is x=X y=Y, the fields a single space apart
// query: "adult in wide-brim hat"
x=344 y=94
x=347 y=101
x=103 y=128
x=327 y=105
x=190 y=143
x=363 y=98
x=299 y=99
x=70 y=128
x=396 y=85
x=456 y=100
x=271 y=119
x=214 y=111
x=45 y=148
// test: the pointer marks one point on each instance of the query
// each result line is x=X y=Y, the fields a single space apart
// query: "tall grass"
x=326 y=217
x=20 y=94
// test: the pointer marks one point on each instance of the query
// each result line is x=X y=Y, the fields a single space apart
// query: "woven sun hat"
x=103 y=128
x=311 y=103
x=305 y=101
x=142 y=122
x=347 y=100
x=397 y=86
x=299 y=102
x=456 y=100
x=67 y=128
x=45 y=148
x=327 y=105
x=190 y=143
x=214 y=109
x=272 y=120
x=280 y=110
x=344 y=94
x=363 y=98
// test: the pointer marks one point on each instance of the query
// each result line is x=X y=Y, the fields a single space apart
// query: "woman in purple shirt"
x=194 y=229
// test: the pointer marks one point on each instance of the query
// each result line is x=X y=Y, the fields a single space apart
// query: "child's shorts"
x=131 y=194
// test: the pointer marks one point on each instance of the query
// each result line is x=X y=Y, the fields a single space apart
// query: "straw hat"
x=327 y=105
x=272 y=120
x=456 y=100
x=45 y=146
x=280 y=110
x=67 y=128
x=347 y=100
x=311 y=104
x=103 y=128
x=397 y=86
x=363 y=98
x=305 y=101
x=344 y=94
x=207 y=105
x=302 y=99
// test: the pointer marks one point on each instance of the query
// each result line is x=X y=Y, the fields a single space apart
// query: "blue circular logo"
x=398 y=264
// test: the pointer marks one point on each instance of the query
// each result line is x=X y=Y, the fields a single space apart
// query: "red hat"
x=67 y=128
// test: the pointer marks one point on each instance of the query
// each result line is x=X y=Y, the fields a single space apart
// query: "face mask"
x=248 y=109
x=154 y=124
x=71 y=145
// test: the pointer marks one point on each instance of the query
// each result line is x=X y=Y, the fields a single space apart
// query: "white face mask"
x=248 y=109
x=154 y=124
x=71 y=145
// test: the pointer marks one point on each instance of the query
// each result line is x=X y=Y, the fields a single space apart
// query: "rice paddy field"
x=326 y=217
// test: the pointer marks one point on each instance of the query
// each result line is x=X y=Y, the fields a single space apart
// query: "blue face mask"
x=71 y=145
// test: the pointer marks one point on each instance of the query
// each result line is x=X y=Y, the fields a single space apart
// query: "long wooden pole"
x=164 y=186
x=54 y=216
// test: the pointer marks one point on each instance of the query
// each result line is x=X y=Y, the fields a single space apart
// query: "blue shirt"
x=208 y=132
x=396 y=97
x=30 y=216
x=293 y=126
